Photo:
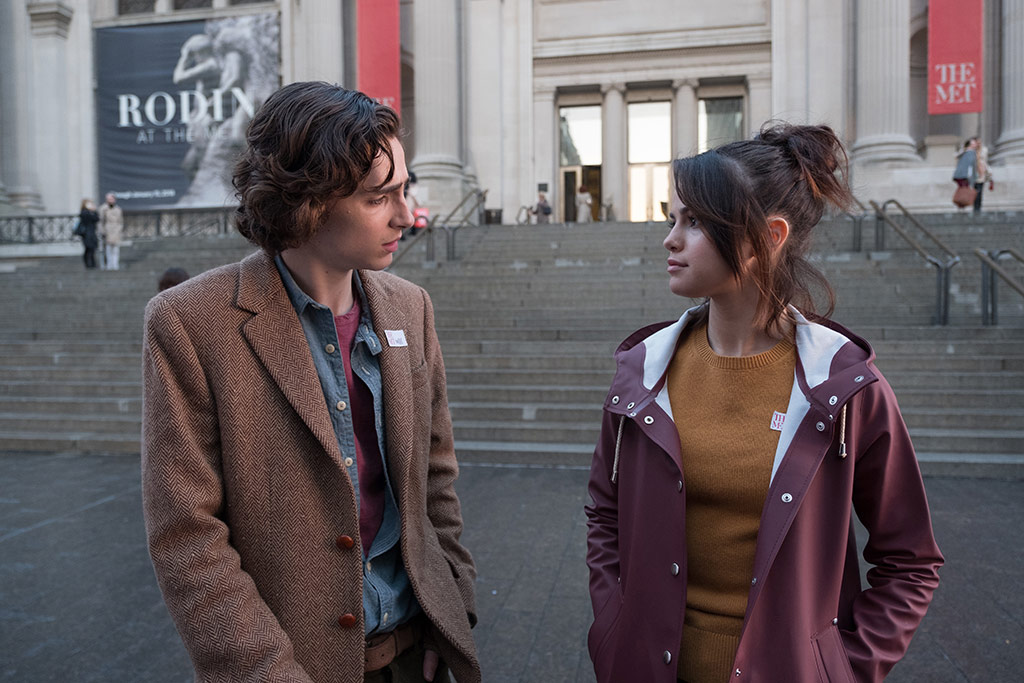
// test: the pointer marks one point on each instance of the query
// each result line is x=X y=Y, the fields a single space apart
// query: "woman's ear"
x=778 y=230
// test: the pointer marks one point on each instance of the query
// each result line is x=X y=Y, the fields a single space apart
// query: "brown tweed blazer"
x=244 y=491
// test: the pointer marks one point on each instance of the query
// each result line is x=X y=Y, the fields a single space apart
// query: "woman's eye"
x=693 y=222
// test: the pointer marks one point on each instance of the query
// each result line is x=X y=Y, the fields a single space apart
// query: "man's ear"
x=778 y=229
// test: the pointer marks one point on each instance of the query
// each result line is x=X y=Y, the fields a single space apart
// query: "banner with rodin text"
x=172 y=105
x=955 y=56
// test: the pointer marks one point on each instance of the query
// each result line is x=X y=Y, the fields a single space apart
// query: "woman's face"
x=695 y=267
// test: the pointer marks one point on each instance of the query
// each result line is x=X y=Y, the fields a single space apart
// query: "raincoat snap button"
x=675 y=569
x=667 y=656
x=820 y=426
x=835 y=621
x=738 y=672
x=615 y=400
x=787 y=498
x=632 y=414
x=833 y=400
x=629 y=406
x=753 y=581
x=858 y=378
x=648 y=420
x=679 y=485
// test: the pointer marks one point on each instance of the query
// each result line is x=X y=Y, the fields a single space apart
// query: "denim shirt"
x=388 y=599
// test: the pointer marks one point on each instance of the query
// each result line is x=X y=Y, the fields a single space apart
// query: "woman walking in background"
x=965 y=175
x=738 y=442
x=86 y=229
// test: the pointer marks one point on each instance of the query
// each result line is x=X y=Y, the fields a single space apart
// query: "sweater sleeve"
x=227 y=628
x=890 y=500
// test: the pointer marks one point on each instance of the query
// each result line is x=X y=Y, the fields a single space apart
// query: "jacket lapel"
x=276 y=337
x=396 y=374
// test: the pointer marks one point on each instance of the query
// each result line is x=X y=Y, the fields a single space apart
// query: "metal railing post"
x=450 y=244
x=31 y=230
x=429 y=255
x=993 y=294
x=858 y=236
x=879 y=231
x=986 y=294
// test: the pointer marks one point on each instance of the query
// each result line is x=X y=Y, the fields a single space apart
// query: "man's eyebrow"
x=388 y=189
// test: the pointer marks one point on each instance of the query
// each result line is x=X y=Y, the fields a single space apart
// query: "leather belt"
x=382 y=649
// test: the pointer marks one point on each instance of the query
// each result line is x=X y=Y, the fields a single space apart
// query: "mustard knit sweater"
x=723 y=408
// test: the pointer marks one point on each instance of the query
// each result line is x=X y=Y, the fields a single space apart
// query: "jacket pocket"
x=604 y=625
x=830 y=657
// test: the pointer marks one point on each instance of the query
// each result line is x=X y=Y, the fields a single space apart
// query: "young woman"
x=737 y=443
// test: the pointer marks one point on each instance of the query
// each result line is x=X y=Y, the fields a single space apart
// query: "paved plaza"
x=78 y=600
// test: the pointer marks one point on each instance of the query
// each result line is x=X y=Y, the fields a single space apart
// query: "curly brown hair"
x=786 y=170
x=308 y=145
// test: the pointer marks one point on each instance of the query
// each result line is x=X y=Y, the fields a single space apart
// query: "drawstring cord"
x=618 y=443
x=842 y=432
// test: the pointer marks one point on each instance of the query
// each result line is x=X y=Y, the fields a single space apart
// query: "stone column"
x=1011 y=141
x=50 y=22
x=613 y=150
x=684 y=118
x=759 y=99
x=438 y=82
x=545 y=163
x=18 y=161
x=883 y=82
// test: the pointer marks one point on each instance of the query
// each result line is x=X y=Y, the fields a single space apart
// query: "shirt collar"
x=301 y=301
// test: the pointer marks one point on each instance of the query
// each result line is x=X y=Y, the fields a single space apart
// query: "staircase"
x=528 y=319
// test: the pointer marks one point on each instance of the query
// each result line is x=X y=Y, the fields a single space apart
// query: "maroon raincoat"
x=808 y=618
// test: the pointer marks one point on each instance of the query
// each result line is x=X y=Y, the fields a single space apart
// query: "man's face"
x=362 y=230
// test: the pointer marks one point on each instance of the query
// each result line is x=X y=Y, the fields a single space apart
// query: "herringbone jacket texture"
x=245 y=492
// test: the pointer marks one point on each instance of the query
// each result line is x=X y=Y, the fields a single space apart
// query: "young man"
x=298 y=464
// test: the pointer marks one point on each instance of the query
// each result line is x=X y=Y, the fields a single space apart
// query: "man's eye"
x=378 y=201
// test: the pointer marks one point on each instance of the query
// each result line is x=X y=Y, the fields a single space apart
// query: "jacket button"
x=787 y=498
x=820 y=426
x=738 y=672
x=615 y=400
x=629 y=406
x=833 y=400
x=679 y=485
x=753 y=581
x=648 y=420
x=675 y=569
x=344 y=542
x=858 y=378
x=347 y=620
x=835 y=621
x=667 y=656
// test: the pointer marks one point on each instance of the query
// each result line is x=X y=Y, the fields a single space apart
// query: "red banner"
x=378 y=51
x=955 y=56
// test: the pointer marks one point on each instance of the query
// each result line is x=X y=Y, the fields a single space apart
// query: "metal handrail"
x=990 y=268
x=942 y=268
x=428 y=232
x=49 y=228
x=857 y=238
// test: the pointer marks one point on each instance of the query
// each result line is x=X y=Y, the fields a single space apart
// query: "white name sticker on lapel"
x=778 y=419
x=396 y=338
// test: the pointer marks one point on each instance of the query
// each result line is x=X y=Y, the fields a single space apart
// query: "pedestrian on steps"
x=86 y=230
x=111 y=228
x=738 y=442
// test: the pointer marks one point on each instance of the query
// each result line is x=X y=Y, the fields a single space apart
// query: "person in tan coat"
x=298 y=462
x=111 y=227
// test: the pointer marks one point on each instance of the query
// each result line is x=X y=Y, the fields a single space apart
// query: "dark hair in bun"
x=733 y=190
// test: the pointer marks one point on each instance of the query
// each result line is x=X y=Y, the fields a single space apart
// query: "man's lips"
x=391 y=246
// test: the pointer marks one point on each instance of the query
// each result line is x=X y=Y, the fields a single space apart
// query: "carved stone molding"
x=50 y=18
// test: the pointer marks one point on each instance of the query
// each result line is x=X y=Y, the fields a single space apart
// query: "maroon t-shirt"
x=369 y=462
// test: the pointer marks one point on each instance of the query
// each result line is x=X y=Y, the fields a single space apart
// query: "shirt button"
x=329 y=348
x=348 y=462
x=347 y=620
x=384 y=618
x=369 y=567
x=344 y=542
x=667 y=656
x=341 y=405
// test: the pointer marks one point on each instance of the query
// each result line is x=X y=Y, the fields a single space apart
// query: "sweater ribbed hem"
x=705 y=656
